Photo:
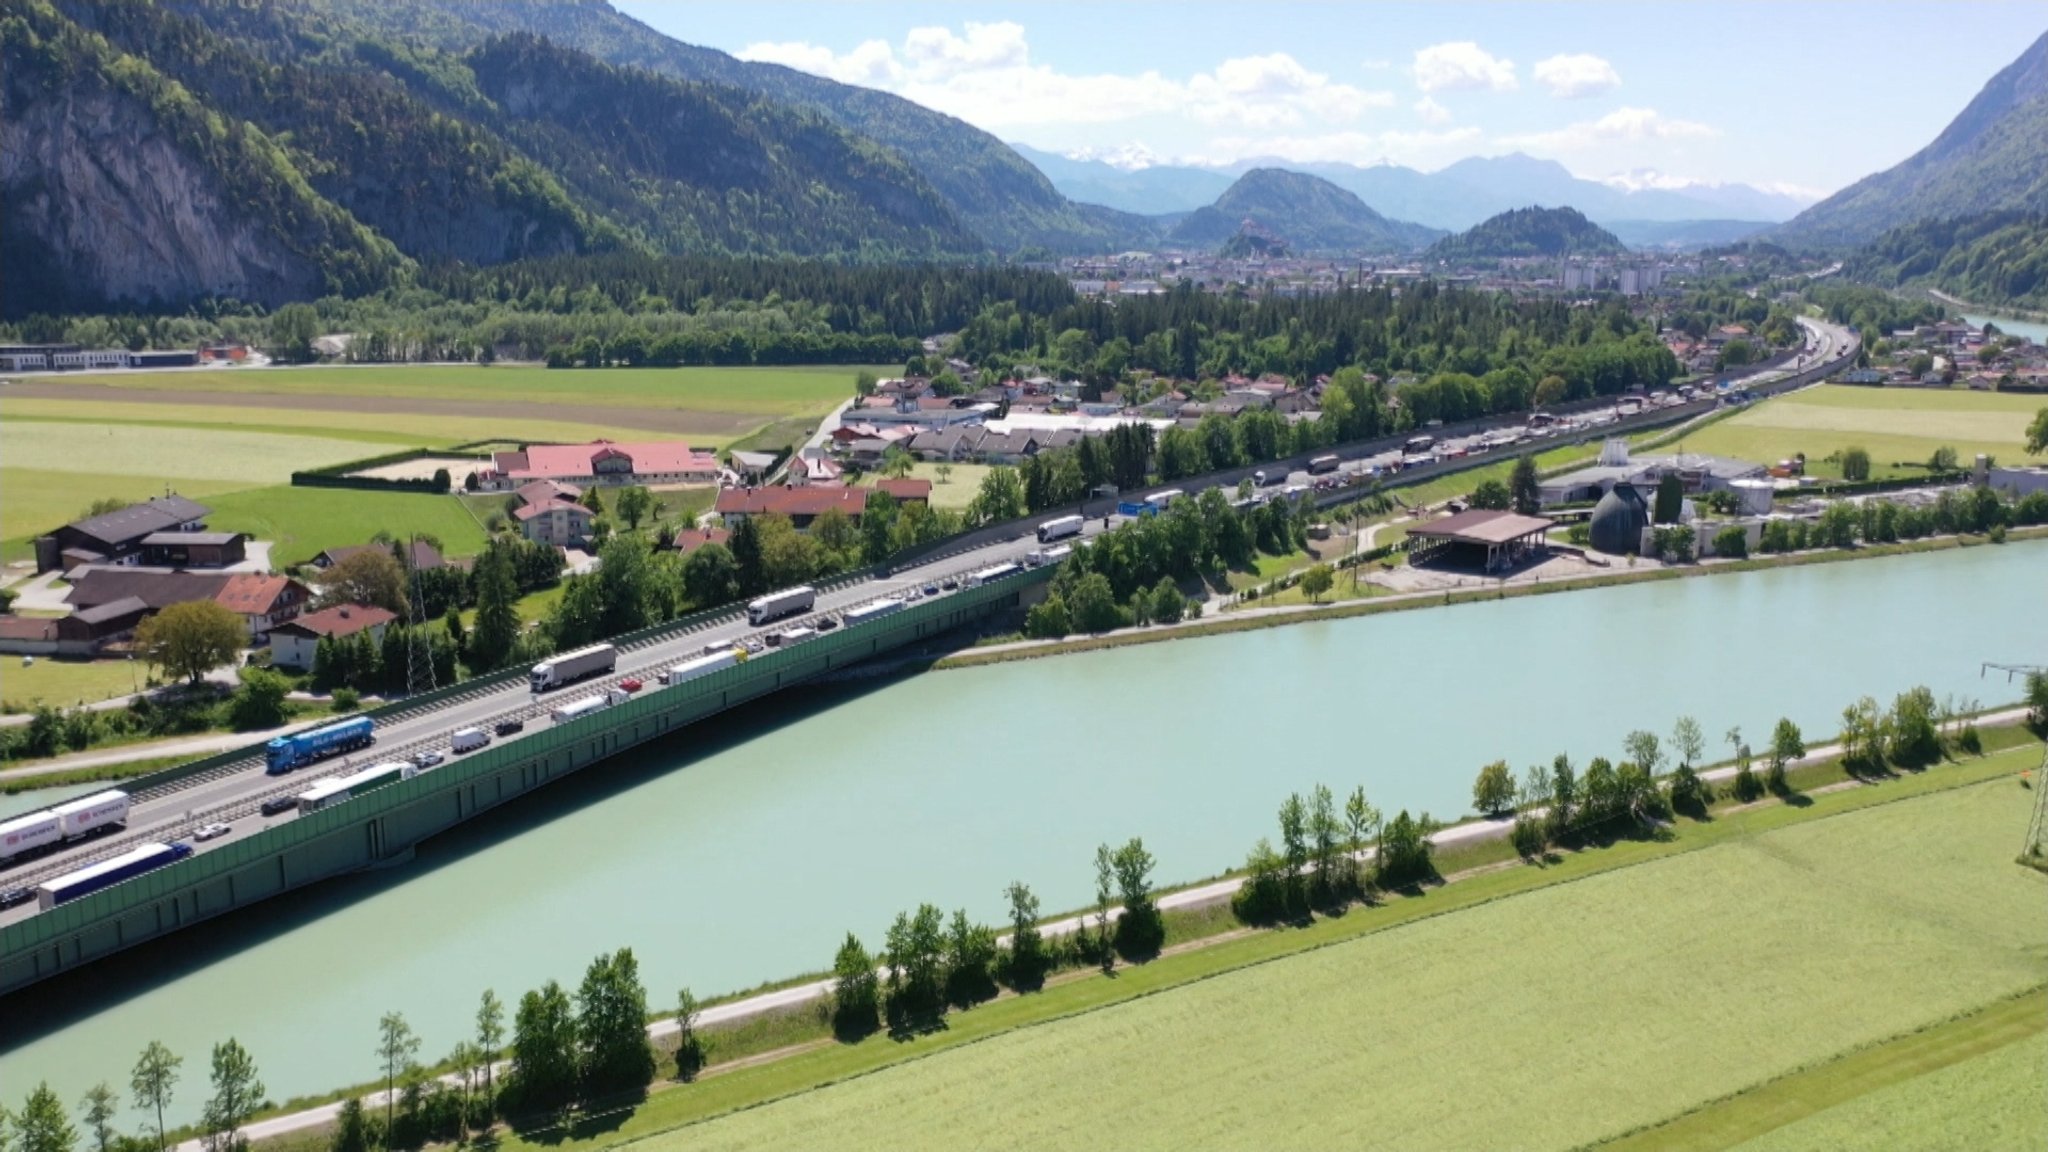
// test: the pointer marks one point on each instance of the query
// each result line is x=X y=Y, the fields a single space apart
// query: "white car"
x=210 y=832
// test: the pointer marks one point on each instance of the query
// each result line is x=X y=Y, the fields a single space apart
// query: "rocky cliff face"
x=103 y=208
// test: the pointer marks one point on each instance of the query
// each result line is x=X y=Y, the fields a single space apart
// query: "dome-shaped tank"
x=1618 y=521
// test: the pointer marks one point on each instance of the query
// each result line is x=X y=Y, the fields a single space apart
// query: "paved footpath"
x=810 y=992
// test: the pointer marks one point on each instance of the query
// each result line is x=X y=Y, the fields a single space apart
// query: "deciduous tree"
x=611 y=1026
x=1494 y=791
x=154 y=1081
x=1140 y=930
x=237 y=1093
x=372 y=576
x=190 y=639
x=689 y=1045
x=1525 y=488
x=544 y=1049
x=42 y=1125
x=396 y=1046
x=1027 y=959
x=1787 y=745
x=1317 y=582
x=100 y=1106
x=856 y=995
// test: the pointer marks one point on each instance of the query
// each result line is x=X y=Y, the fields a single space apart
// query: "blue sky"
x=1805 y=97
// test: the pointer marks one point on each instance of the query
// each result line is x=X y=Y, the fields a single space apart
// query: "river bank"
x=1463 y=852
x=1249 y=619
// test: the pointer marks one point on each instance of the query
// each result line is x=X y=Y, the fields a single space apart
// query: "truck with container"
x=873 y=610
x=468 y=740
x=726 y=657
x=987 y=575
x=339 y=789
x=1060 y=528
x=107 y=873
x=1040 y=557
x=790 y=636
x=776 y=605
x=285 y=753
x=588 y=706
x=1322 y=464
x=70 y=821
x=568 y=668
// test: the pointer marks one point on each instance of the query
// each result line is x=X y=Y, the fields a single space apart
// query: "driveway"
x=43 y=594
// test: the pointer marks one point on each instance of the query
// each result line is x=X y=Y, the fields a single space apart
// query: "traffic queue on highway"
x=24 y=838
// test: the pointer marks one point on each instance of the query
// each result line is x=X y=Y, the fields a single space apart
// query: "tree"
x=1294 y=851
x=497 y=620
x=260 y=701
x=1943 y=460
x=1855 y=463
x=1731 y=543
x=897 y=463
x=1787 y=745
x=100 y=1105
x=352 y=1129
x=745 y=545
x=1688 y=741
x=611 y=1025
x=237 y=1093
x=916 y=952
x=1564 y=797
x=293 y=328
x=1913 y=738
x=1404 y=852
x=396 y=1047
x=42 y=1125
x=544 y=1048
x=944 y=472
x=1670 y=500
x=1027 y=960
x=2037 y=434
x=1524 y=487
x=689 y=1045
x=1494 y=792
x=1644 y=751
x=856 y=995
x=593 y=501
x=1361 y=824
x=1140 y=930
x=372 y=576
x=153 y=1081
x=1000 y=498
x=1491 y=494
x=1168 y=605
x=633 y=504
x=1317 y=581
x=2037 y=700
x=1091 y=606
x=490 y=1037
x=1105 y=891
x=971 y=955
x=710 y=576
x=189 y=639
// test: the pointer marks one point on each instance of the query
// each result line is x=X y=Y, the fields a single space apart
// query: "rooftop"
x=340 y=620
x=808 y=500
x=553 y=461
x=139 y=520
x=1483 y=526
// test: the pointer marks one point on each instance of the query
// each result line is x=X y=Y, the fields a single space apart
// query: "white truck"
x=1040 y=557
x=726 y=657
x=1060 y=529
x=977 y=579
x=588 y=706
x=873 y=610
x=789 y=636
x=776 y=605
x=469 y=739
x=86 y=815
x=570 y=667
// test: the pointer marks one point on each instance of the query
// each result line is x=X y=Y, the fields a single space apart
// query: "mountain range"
x=1991 y=158
x=1309 y=213
x=1524 y=232
x=1453 y=198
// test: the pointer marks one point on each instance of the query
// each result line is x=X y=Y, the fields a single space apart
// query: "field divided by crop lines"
x=1567 y=1015
x=1895 y=425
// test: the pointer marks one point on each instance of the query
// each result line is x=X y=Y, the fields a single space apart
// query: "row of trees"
x=1842 y=525
x=1322 y=862
x=44 y=1126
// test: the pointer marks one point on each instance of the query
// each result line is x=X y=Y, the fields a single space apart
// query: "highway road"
x=233 y=793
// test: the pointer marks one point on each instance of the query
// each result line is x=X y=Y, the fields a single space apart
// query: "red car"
x=629 y=685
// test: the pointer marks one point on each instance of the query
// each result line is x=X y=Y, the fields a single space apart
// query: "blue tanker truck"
x=288 y=752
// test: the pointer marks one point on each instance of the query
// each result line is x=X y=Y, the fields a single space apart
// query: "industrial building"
x=1699 y=473
x=1483 y=538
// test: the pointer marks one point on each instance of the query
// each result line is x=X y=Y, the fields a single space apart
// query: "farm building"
x=801 y=504
x=1700 y=473
x=662 y=463
x=116 y=537
x=293 y=643
x=194 y=549
x=1482 y=538
x=423 y=556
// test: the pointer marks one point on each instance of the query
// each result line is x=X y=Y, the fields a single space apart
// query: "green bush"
x=347 y=700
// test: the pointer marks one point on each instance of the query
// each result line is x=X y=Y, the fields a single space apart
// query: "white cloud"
x=1622 y=124
x=1575 y=76
x=1432 y=113
x=984 y=74
x=1377 y=65
x=1462 y=66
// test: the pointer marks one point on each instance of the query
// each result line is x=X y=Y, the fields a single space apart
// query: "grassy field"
x=63 y=683
x=1969 y=1083
x=1896 y=426
x=755 y=390
x=1991 y=1101
x=304 y=521
x=376 y=431
x=1501 y=1023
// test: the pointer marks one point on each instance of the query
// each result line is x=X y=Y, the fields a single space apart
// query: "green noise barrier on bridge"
x=385 y=824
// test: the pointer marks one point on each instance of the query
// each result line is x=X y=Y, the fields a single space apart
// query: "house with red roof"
x=293 y=643
x=801 y=504
x=263 y=601
x=654 y=463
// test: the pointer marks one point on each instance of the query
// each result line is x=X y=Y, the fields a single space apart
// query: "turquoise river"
x=743 y=852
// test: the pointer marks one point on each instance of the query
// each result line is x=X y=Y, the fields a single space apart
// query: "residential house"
x=295 y=643
x=1007 y=447
x=947 y=443
x=562 y=523
x=751 y=467
x=908 y=490
x=690 y=539
x=802 y=504
x=814 y=467
x=194 y=549
x=263 y=601
x=116 y=537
